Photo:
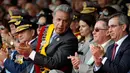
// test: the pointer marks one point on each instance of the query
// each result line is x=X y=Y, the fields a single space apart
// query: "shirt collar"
x=119 y=42
x=31 y=41
x=104 y=44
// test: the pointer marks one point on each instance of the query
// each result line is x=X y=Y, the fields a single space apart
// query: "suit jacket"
x=88 y=68
x=14 y=67
x=84 y=48
x=57 y=52
x=121 y=63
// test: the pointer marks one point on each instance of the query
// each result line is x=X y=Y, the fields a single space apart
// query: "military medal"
x=19 y=59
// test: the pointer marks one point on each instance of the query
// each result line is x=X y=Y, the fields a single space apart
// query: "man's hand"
x=24 y=49
x=75 y=60
x=3 y=55
x=97 y=52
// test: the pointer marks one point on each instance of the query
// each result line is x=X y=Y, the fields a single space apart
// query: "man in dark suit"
x=56 y=48
x=117 y=58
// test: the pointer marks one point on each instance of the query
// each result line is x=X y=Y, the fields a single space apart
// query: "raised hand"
x=3 y=55
x=75 y=60
x=97 y=52
x=24 y=49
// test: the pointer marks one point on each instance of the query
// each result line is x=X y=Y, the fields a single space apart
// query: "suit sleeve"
x=120 y=65
x=59 y=59
x=84 y=68
x=13 y=67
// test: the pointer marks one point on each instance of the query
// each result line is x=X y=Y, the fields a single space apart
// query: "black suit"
x=121 y=63
x=58 y=51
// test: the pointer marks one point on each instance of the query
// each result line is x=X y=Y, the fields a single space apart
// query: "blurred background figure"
x=44 y=20
x=55 y=3
x=31 y=9
x=75 y=24
x=3 y=20
x=42 y=3
x=103 y=3
x=107 y=11
x=77 y=5
x=21 y=3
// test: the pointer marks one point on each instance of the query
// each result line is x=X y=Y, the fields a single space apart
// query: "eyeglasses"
x=98 y=29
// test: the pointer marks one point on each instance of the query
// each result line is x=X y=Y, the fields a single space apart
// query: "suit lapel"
x=85 y=46
x=122 y=47
x=55 y=41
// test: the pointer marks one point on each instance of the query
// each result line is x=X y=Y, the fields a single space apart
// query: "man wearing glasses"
x=102 y=38
x=117 y=55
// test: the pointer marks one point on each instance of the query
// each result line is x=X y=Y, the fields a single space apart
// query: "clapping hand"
x=75 y=60
x=97 y=52
x=24 y=49
x=3 y=55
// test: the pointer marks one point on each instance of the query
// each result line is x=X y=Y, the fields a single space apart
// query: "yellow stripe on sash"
x=47 y=39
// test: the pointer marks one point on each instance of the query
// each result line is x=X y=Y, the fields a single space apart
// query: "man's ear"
x=124 y=26
x=33 y=32
x=107 y=33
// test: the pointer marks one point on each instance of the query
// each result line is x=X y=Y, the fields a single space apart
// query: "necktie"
x=114 y=51
x=54 y=36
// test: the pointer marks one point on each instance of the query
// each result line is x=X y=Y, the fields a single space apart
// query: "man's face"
x=61 y=22
x=30 y=8
x=25 y=35
x=20 y=2
x=100 y=32
x=13 y=30
x=116 y=30
x=102 y=3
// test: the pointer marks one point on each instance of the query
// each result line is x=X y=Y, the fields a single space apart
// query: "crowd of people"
x=64 y=36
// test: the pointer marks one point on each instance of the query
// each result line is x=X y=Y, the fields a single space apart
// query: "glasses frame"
x=98 y=29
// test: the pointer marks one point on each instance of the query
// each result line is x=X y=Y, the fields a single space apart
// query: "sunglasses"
x=98 y=29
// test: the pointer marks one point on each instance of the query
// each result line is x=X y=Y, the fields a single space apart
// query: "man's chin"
x=59 y=32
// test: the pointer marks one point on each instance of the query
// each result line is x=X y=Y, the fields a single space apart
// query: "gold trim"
x=23 y=27
x=87 y=9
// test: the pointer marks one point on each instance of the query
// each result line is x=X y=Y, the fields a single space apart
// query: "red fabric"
x=37 y=68
x=114 y=51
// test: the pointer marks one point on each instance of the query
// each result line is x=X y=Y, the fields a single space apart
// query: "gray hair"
x=64 y=8
x=105 y=20
x=123 y=19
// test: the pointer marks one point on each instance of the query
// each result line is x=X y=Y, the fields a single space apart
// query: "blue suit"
x=14 y=67
x=121 y=63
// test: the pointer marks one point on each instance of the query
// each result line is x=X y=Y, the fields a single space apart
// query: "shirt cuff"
x=104 y=60
x=76 y=70
x=32 y=55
